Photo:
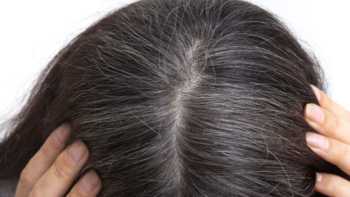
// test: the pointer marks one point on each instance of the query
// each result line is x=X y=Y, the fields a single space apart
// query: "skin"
x=54 y=168
x=331 y=142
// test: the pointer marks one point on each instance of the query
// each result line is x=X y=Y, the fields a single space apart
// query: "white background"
x=32 y=32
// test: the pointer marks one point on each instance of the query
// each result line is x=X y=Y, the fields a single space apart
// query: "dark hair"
x=180 y=98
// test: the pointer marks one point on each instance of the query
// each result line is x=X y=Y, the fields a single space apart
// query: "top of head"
x=187 y=98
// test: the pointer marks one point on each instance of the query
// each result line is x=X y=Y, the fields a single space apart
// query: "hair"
x=180 y=98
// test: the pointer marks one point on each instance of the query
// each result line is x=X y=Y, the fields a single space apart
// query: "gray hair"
x=180 y=98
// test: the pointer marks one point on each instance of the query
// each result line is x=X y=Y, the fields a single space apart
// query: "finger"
x=333 y=151
x=58 y=179
x=332 y=185
x=42 y=160
x=327 y=123
x=88 y=186
x=327 y=103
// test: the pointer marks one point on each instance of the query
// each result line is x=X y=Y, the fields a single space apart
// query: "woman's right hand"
x=53 y=169
x=332 y=142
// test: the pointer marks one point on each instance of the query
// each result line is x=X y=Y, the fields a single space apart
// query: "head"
x=180 y=98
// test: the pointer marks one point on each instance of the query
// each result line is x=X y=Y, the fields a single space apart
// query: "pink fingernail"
x=315 y=113
x=77 y=150
x=62 y=133
x=90 y=182
x=317 y=141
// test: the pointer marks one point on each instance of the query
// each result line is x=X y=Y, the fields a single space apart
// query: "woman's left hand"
x=332 y=142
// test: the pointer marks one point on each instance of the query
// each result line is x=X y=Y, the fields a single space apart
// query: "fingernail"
x=315 y=113
x=317 y=141
x=77 y=151
x=318 y=177
x=62 y=133
x=90 y=182
x=316 y=92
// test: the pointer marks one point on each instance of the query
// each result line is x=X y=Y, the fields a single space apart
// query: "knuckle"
x=339 y=152
x=331 y=124
x=46 y=150
x=344 y=152
x=62 y=168
x=49 y=147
